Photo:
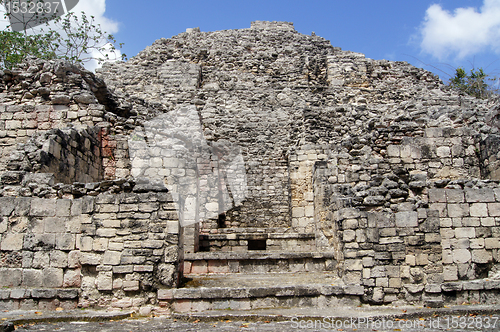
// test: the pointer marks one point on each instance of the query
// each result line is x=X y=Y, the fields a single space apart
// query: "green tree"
x=79 y=37
x=16 y=46
x=73 y=38
x=473 y=84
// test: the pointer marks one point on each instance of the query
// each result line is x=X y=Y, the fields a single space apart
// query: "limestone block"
x=85 y=243
x=123 y=269
x=450 y=273
x=309 y=211
x=430 y=225
x=41 y=259
x=422 y=259
x=149 y=207
x=477 y=243
x=349 y=223
x=108 y=208
x=414 y=288
x=126 y=259
x=32 y=278
x=492 y=243
x=55 y=225
x=461 y=256
x=12 y=241
x=130 y=285
x=374 y=200
x=353 y=264
x=4 y=223
x=445 y=222
x=487 y=222
x=494 y=210
x=410 y=260
x=166 y=274
x=143 y=268
x=214 y=207
x=455 y=196
x=479 y=210
x=393 y=151
x=104 y=281
x=465 y=232
x=74 y=259
x=458 y=210
x=12 y=124
x=437 y=196
x=43 y=207
x=447 y=256
x=133 y=244
x=100 y=244
x=298 y=212
x=44 y=293
x=10 y=277
x=58 y=259
x=473 y=284
x=471 y=221
x=382 y=282
x=7 y=205
x=443 y=151
x=451 y=286
x=481 y=256
x=90 y=259
x=433 y=288
x=462 y=243
x=105 y=232
x=407 y=219
x=19 y=294
x=432 y=237
x=349 y=235
x=483 y=195
x=52 y=277
x=367 y=261
x=111 y=257
x=115 y=246
x=88 y=204
x=441 y=207
x=65 y=242
x=63 y=207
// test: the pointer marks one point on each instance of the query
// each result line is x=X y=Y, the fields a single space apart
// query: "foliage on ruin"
x=75 y=38
x=474 y=83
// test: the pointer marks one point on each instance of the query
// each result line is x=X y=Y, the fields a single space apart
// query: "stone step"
x=258 y=262
x=260 y=291
x=257 y=240
x=253 y=230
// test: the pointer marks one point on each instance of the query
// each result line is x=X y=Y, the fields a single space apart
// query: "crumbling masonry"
x=257 y=152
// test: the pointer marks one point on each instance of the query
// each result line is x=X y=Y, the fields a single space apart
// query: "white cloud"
x=95 y=8
x=463 y=33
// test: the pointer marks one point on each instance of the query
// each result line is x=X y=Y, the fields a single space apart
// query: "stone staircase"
x=256 y=279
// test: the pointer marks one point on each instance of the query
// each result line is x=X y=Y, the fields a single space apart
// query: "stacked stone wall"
x=19 y=122
x=109 y=250
x=256 y=134
x=404 y=222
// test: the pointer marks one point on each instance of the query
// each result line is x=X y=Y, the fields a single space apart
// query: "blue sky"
x=435 y=35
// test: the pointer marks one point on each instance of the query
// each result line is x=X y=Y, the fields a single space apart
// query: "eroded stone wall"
x=109 y=250
x=375 y=161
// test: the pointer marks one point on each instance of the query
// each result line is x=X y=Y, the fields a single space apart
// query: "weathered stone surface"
x=407 y=219
x=375 y=161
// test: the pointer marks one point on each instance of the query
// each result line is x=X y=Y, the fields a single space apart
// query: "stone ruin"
x=262 y=153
